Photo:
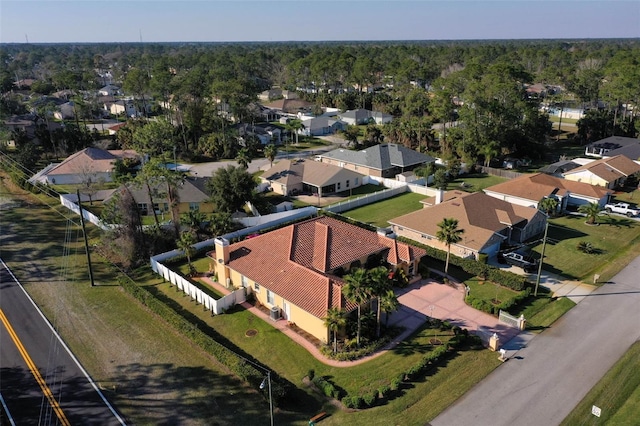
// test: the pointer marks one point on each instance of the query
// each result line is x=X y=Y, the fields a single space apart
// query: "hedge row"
x=225 y=356
x=369 y=397
x=476 y=268
x=327 y=350
x=484 y=306
x=327 y=388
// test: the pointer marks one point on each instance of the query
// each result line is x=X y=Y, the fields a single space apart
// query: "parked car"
x=622 y=208
x=518 y=259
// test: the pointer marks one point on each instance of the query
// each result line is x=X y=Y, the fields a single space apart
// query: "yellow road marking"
x=34 y=370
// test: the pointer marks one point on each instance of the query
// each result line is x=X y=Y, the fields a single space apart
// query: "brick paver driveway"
x=445 y=302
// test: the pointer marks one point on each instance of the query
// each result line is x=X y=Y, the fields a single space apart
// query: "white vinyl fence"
x=70 y=200
x=217 y=306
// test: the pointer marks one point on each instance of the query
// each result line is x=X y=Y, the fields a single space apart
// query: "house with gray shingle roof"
x=191 y=197
x=297 y=270
x=307 y=176
x=320 y=126
x=384 y=160
x=365 y=116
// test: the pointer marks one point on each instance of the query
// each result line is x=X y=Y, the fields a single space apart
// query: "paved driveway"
x=549 y=377
x=445 y=302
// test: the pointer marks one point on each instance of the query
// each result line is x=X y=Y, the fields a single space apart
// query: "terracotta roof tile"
x=289 y=261
x=538 y=185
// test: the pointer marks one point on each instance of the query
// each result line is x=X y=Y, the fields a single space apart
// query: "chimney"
x=439 y=196
x=222 y=258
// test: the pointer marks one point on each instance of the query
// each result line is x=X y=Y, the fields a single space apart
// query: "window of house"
x=143 y=208
x=270 y=298
x=194 y=207
x=410 y=272
x=338 y=185
x=244 y=281
x=341 y=164
x=256 y=287
x=355 y=181
x=347 y=183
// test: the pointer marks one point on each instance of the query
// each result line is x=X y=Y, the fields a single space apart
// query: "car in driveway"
x=517 y=259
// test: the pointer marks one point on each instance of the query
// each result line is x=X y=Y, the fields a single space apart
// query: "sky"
x=55 y=21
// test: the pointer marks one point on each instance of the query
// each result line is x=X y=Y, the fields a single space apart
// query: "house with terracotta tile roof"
x=307 y=176
x=90 y=163
x=296 y=270
x=487 y=223
x=528 y=190
x=610 y=172
x=383 y=160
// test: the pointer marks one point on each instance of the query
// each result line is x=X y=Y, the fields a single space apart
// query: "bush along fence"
x=238 y=365
x=484 y=306
x=476 y=268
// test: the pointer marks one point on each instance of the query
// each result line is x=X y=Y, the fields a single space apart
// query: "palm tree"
x=193 y=219
x=357 y=290
x=591 y=210
x=185 y=243
x=380 y=284
x=448 y=234
x=243 y=158
x=296 y=125
x=548 y=205
x=334 y=321
x=388 y=303
x=270 y=152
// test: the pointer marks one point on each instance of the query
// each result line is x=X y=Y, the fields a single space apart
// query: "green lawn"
x=616 y=237
x=151 y=373
x=379 y=213
x=617 y=394
x=488 y=291
x=418 y=402
x=474 y=182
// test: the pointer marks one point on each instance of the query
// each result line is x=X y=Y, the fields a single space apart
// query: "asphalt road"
x=64 y=394
x=543 y=382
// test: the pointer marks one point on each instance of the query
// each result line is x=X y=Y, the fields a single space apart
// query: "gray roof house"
x=320 y=126
x=385 y=160
x=364 y=116
x=611 y=146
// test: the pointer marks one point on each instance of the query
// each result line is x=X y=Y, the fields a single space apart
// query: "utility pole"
x=86 y=241
x=544 y=245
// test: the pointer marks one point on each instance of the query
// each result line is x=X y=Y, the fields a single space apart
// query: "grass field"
x=379 y=213
x=426 y=397
x=617 y=394
x=615 y=237
x=153 y=375
x=474 y=182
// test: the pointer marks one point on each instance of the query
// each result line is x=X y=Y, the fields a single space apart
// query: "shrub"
x=327 y=388
x=586 y=247
x=370 y=398
x=383 y=391
x=311 y=374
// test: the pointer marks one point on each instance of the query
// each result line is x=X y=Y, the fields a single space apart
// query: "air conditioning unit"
x=275 y=313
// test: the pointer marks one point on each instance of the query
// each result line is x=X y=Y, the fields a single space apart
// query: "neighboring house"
x=191 y=197
x=27 y=123
x=277 y=93
x=91 y=163
x=290 y=177
x=559 y=167
x=612 y=146
x=487 y=223
x=296 y=270
x=65 y=111
x=114 y=129
x=291 y=106
x=528 y=190
x=321 y=126
x=610 y=172
x=385 y=160
x=109 y=90
x=364 y=116
x=122 y=107
x=265 y=132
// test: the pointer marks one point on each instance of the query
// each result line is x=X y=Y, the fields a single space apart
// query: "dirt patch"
x=251 y=332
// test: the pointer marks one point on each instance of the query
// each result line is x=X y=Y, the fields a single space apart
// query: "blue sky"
x=269 y=20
